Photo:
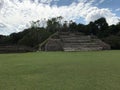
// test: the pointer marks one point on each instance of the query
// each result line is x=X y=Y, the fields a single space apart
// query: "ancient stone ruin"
x=14 y=49
x=66 y=41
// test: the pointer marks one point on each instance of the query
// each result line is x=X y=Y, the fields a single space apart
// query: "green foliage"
x=81 y=28
x=73 y=26
x=114 y=41
x=54 y=24
x=34 y=37
x=4 y=40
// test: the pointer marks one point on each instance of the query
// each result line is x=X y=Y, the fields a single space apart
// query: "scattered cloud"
x=16 y=15
x=118 y=9
x=101 y=1
x=96 y=13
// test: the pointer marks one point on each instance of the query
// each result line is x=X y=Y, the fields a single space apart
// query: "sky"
x=16 y=15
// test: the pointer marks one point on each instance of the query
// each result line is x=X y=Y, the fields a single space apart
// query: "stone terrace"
x=75 y=42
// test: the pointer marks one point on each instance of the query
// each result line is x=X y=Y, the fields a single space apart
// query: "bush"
x=34 y=37
x=114 y=41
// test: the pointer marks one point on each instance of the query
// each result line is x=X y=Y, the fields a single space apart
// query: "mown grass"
x=60 y=71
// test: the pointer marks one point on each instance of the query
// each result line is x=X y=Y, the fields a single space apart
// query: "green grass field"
x=60 y=71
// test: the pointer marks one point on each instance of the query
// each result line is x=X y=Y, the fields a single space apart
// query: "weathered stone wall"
x=66 y=41
x=54 y=45
x=15 y=49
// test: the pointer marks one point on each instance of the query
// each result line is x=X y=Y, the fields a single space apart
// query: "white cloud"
x=1 y=4
x=101 y=1
x=96 y=13
x=14 y=15
x=118 y=9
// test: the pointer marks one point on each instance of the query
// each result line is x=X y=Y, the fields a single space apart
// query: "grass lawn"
x=60 y=71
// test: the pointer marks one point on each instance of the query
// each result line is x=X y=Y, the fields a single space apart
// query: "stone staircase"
x=66 y=41
x=80 y=42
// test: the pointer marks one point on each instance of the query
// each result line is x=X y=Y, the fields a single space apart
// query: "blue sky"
x=113 y=5
x=16 y=15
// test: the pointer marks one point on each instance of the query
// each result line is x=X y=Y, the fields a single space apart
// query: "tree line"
x=35 y=35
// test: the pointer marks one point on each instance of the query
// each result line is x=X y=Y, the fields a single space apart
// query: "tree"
x=54 y=24
x=101 y=23
x=35 y=24
x=114 y=41
x=81 y=28
x=102 y=27
x=65 y=26
x=34 y=37
x=92 y=28
x=72 y=26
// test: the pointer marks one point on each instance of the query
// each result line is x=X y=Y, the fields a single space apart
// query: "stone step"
x=83 y=49
x=76 y=41
x=75 y=37
x=81 y=46
x=70 y=33
x=85 y=43
x=80 y=40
